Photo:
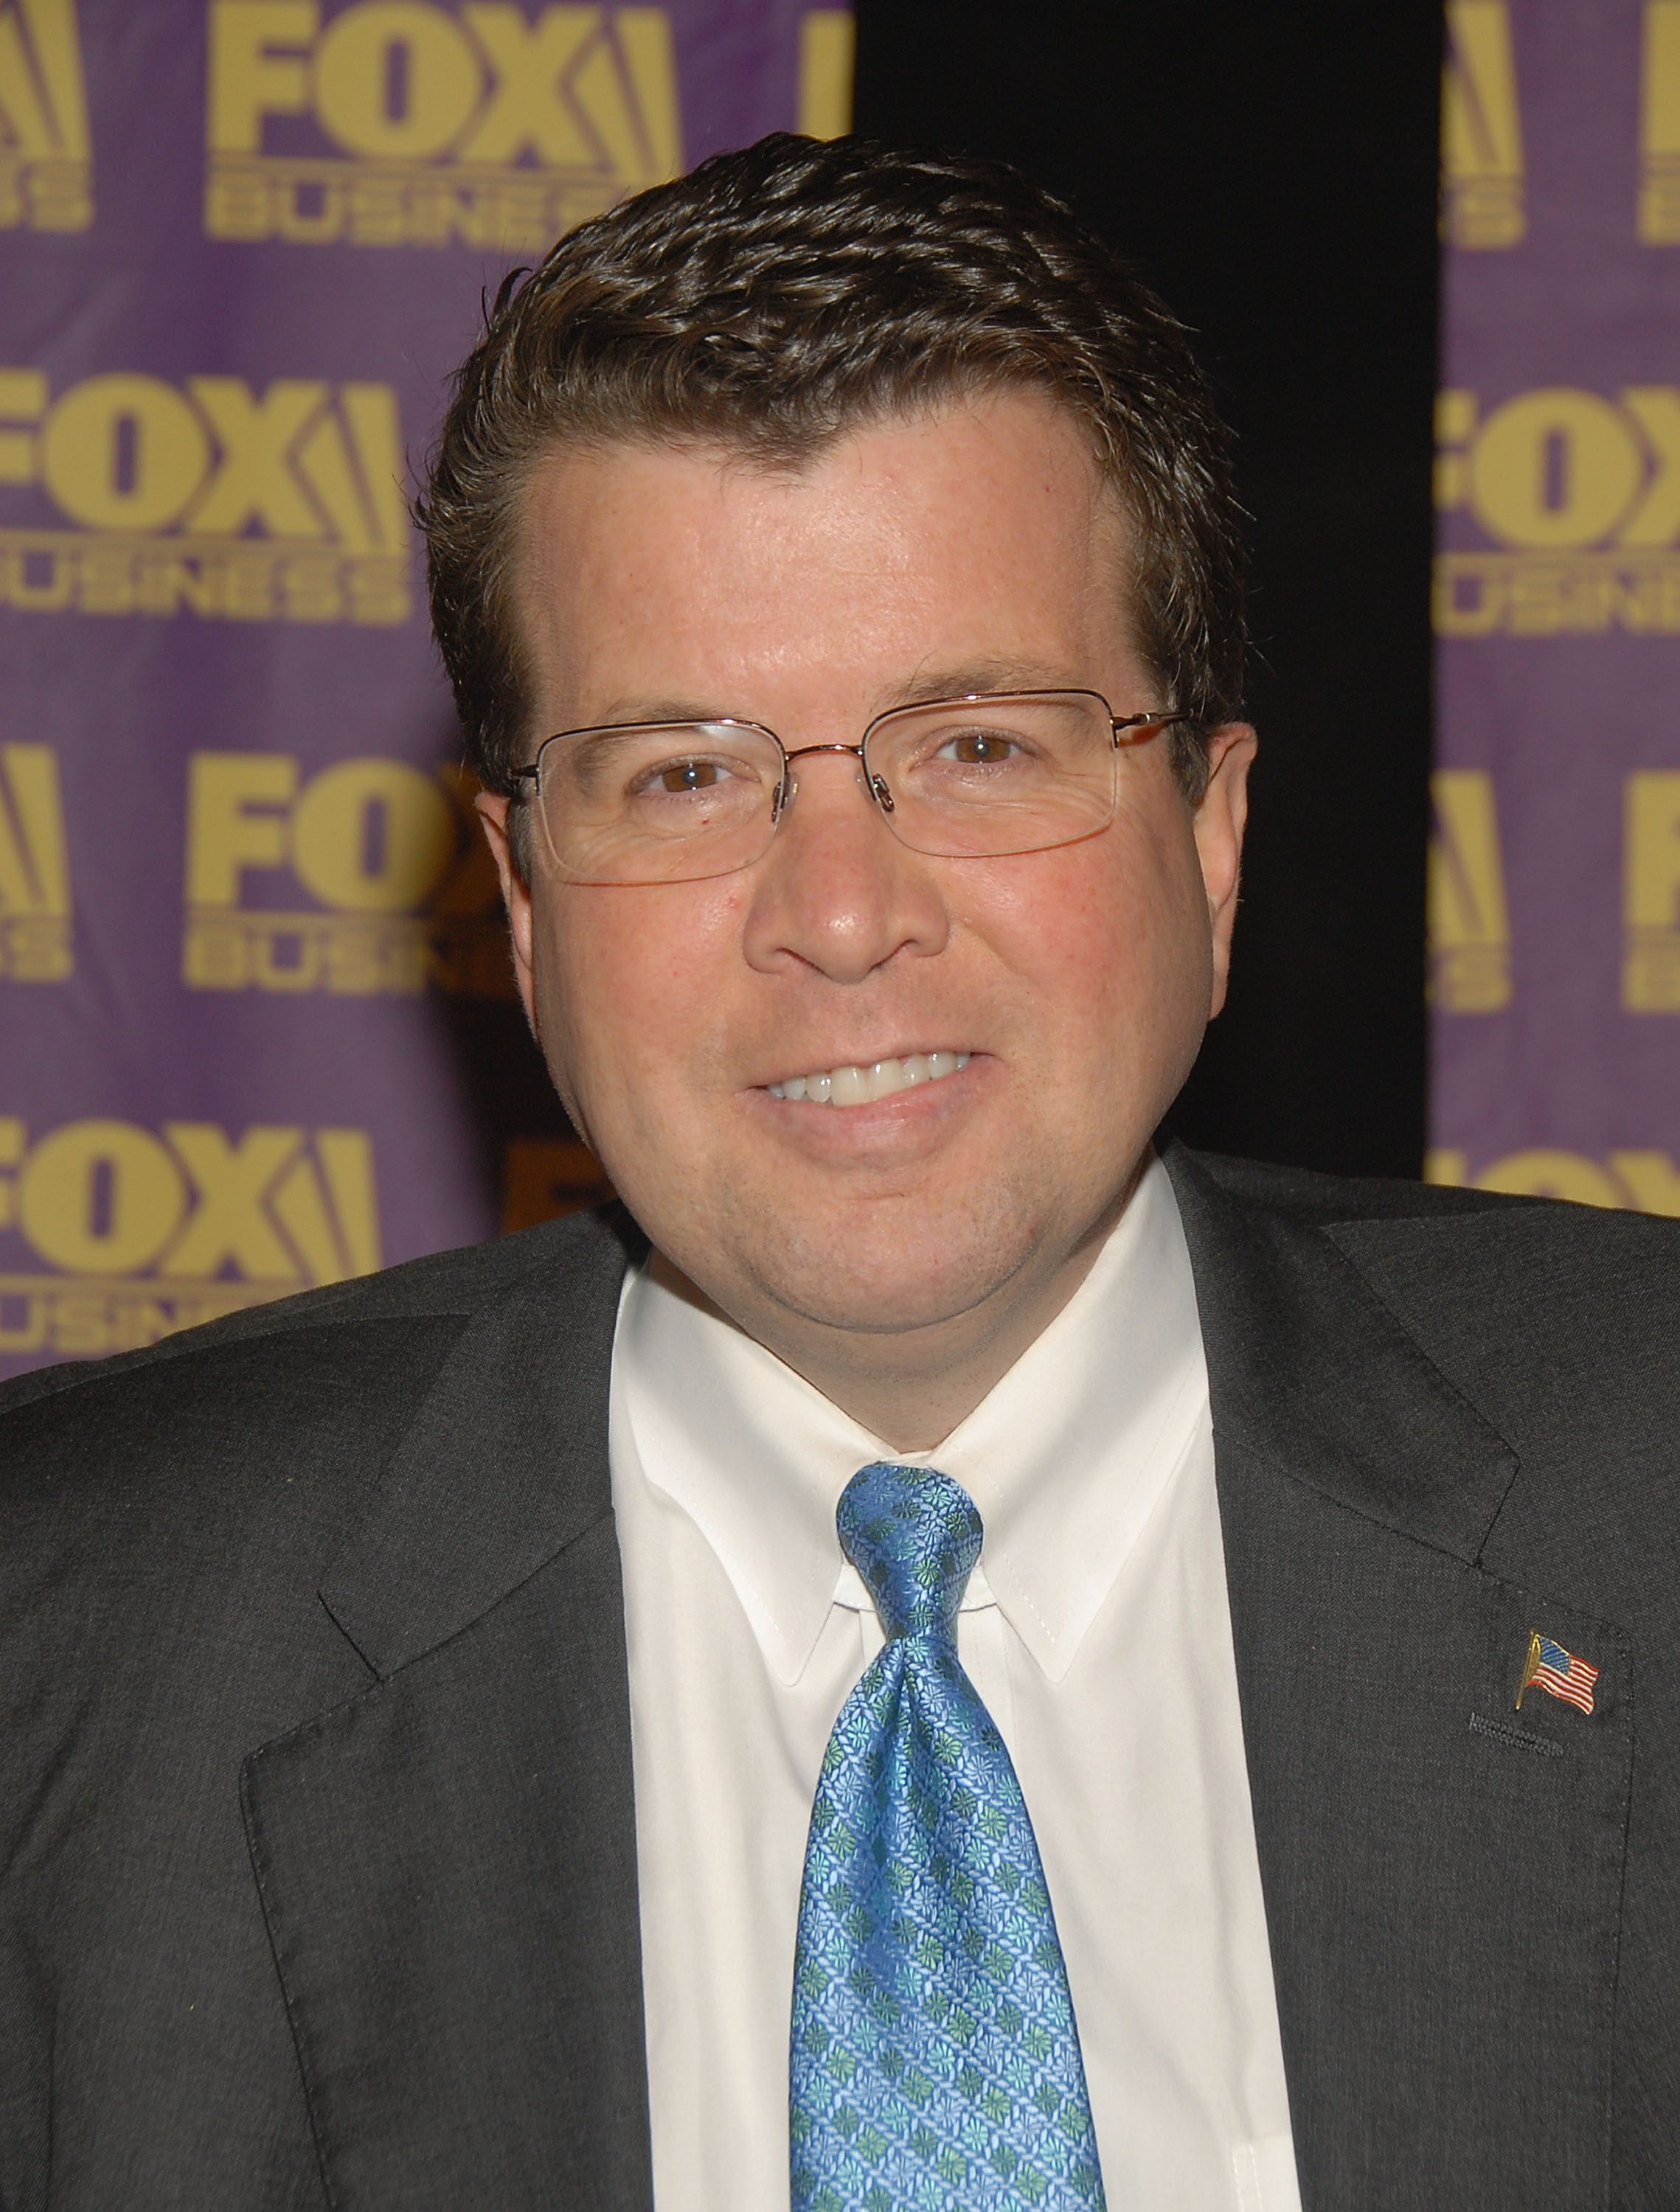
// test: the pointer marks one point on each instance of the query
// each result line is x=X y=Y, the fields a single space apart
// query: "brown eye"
x=689 y=775
x=981 y=748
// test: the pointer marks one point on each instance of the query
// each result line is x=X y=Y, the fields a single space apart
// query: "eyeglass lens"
x=674 y=802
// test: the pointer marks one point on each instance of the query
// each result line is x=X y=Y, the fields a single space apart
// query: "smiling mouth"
x=861 y=1086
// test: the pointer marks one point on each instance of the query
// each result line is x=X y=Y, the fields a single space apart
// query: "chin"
x=899 y=1275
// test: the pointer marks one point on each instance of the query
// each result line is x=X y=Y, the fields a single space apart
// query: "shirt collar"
x=1065 y=1457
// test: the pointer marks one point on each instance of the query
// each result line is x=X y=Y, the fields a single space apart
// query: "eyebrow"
x=671 y=709
x=999 y=674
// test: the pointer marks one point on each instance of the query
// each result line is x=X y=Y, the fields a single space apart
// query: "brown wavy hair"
x=778 y=296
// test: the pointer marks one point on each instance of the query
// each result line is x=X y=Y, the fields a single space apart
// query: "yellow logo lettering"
x=232 y=823
x=229 y=1225
x=1470 y=936
x=123 y=452
x=280 y=505
x=474 y=122
x=1655 y=519
x=1455 y=425
x=358 y=481
x=254 y=482
x=827 y=44
x=1649 y=1179
x=160 y=1230
x=1642 y=1181
x=395 y=77
x=1583 y=493
x=22 y=399
x=1554 y=468
x=1651 y=893
x=12 y=1134
x=46 y=166
x=526 y=111
x=1544 y=1173
x=1481 y=140
x=1659 y=212
x=100 y=1197
x=34 y=868
x=373 y=837
x=327 y=1205
x=259 y=66
x=404 y=888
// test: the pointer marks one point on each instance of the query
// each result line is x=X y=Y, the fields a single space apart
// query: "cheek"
x=632 y=976
x=1109 y=940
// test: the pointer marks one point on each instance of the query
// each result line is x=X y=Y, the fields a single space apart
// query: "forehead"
x=982 y=529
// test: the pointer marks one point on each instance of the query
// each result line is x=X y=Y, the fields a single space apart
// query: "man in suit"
x=416 y=1691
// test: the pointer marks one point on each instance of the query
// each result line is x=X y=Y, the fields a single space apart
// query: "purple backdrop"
x=255 y=1027
x=254 y=1024
x=1555 y=871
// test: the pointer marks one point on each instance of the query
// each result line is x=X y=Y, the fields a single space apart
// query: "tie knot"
x=914 y=1536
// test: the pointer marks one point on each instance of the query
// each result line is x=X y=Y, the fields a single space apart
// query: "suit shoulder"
x=1538 y=1273
x=1559 y=1322
x=1556 y=1323
x=351 y=1325
x=1528 y=1265
x=1304 y=1195
x=215 y=1458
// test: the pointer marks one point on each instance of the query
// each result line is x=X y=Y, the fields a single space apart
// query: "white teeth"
x=859 y=1086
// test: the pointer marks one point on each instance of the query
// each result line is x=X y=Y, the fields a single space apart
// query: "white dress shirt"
x=1097 y=1630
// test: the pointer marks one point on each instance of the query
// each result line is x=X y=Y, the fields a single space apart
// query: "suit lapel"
x=1442 y=1875
x=447 y=1863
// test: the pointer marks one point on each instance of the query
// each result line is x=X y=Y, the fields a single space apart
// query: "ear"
x=492 y=809
x=1220 y=821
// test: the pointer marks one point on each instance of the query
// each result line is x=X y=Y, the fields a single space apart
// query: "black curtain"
x=1272 y=172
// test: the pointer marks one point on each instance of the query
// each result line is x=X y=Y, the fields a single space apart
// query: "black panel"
x=1272 y=172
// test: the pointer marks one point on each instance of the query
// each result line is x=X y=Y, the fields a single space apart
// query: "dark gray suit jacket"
x=317 y=1847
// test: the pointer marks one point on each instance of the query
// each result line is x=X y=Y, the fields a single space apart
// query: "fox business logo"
x=1582 y=490
x=46 y=175
x=1470 y=932
x=1640 y=1181
x=282 y=505
x=404 y=888
x=1482 y=132
x=141 y=1233
x=34 y=868
x=408 y=123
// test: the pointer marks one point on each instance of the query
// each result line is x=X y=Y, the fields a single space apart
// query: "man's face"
x=972 y=549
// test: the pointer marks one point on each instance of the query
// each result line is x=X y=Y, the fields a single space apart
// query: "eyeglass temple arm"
x=1141 y=723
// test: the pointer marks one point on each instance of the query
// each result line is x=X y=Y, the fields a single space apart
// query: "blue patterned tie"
x=935 y=2061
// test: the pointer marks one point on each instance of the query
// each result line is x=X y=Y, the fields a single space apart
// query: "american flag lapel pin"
x=1558 y=1672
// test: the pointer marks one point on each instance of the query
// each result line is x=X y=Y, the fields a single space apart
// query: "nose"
x=837 y=891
